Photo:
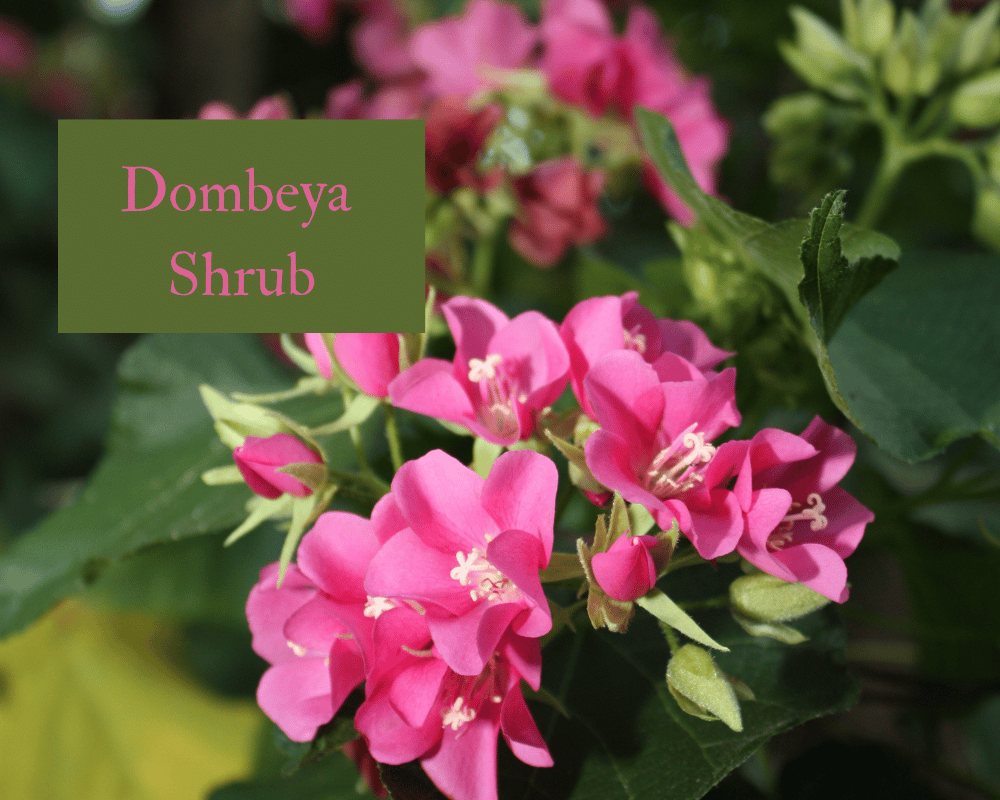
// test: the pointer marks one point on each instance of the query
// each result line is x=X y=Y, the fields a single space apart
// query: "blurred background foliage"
x=160 y=705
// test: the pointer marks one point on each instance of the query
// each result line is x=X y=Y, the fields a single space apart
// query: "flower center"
x=635 y=340
x=462 y=696
x=376 y=606
x=496 y=411
x=678 y=467
x=783 y=534
x=487 y=581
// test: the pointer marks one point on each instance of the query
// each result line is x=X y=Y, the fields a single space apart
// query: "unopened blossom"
x=800 y=525
x=274 y=107
x=504 y=372
x=371 y=360
x=423 y=709
x=557 y=208
x=654 y=444
x=468 y=551
x=626 y=570
x=601 y=325
x=454 y=137
x=459 y=53
x=314 y=662
x=590 y=66
x=259 y=459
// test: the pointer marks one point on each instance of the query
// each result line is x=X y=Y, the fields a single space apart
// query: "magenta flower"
x=371 y=360
x=800 y=525
x=557 y=209
x=454 y=137
x=315 y=665
x=400 y=100
x=589 y=66
x=18 y=49
x=258 y=460
x=601 y=325
x=626 y=570
x=468 y=551
x=451 y=721
x=380 y=42
x=274 y=107
x=653 y=446
x=457 y=52
x=504 y=372
x=314 y=18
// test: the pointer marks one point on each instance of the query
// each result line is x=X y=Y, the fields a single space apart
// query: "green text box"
x=360 y=236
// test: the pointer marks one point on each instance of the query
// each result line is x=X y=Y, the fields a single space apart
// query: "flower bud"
x=824 y=59
x=626 y=571
x=235 y=421
x=977 y=46
x=701 y=688
x=259 y=461
x=976 y=102
x=876 y=20
x=986 y=218
x=766 y=598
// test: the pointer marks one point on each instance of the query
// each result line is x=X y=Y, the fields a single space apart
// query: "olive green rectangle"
x=127 y=267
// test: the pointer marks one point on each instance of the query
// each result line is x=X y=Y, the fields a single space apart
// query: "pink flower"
x=601 y=325
x=800 y=525
x=371 y=360
x=274 y=107
x=314 y=18
x=653 y=444
x=403 y=100
x=468 y=551
x=258 y=460
x=626 y=571
x=18 y=49
x=454 y=138
x=504 y=372
x=587 y=65
x=380 y=42
x=451 y=721
x=314 y=667
x=457 y=52
x=558 y=209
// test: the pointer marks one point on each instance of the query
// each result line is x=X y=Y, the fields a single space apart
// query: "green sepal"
x=668 y=612
x=261 y=509
x=310 y=474
x=770 y=630
x=357 y=411
x=701 y=688
x=222 y=476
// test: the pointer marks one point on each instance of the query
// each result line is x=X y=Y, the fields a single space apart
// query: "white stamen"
x=671 y=474
x=298 y=649
x=484 y=370
x=783 y=534
x=457 y=715
x=376 y=606
x=474 y=562
x=635 y=340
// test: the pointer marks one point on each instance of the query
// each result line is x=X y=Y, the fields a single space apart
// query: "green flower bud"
x=907 y=68
x=976 y=102
x=986 y=218
x=976 y=48
x=766 y=598
x=701 y=688
x=823 y=59
x=876 y=21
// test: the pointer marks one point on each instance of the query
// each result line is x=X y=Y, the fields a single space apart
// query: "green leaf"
x=627 y=738
x=331 y=778
x=914 y=363
x=148 y=488
x=832 y=284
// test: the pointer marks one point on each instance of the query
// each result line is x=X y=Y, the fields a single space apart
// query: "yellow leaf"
x=91 y=710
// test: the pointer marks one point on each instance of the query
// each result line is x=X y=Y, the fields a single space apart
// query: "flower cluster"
x=486 y=77
x=435 y=604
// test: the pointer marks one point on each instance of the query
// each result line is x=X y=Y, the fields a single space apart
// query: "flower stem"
x=880 y=191
x=392 y=436
x=370 y=480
